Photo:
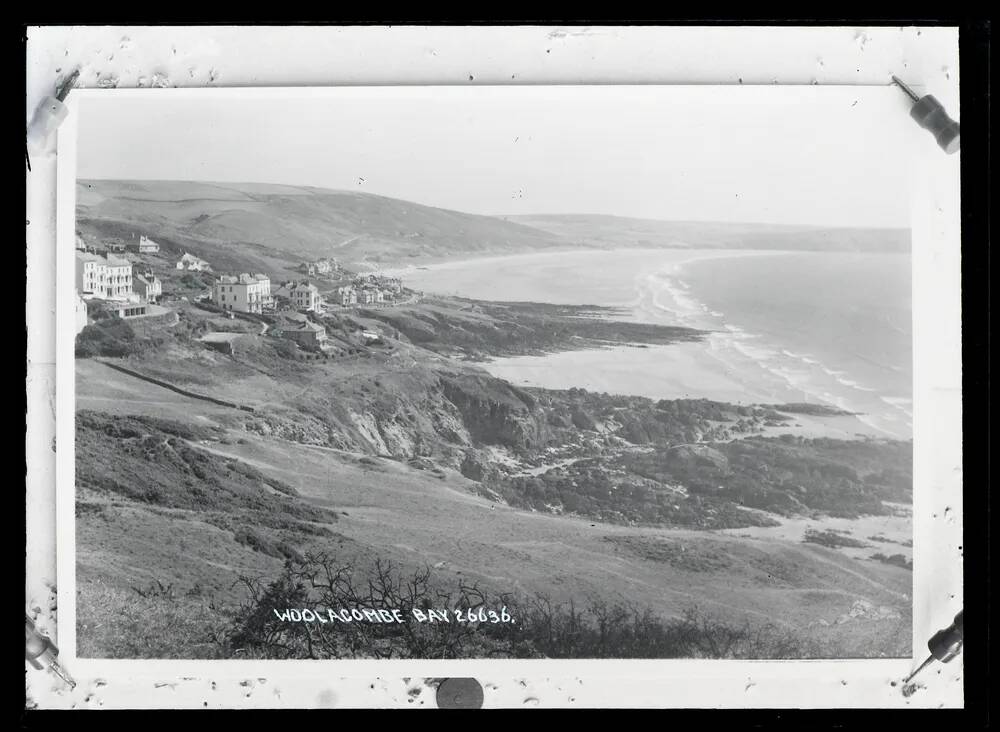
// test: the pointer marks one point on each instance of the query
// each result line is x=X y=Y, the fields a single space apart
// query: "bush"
x=897 y=560
x=832 y=539
x=539 y=627
x=109 y=337
x=285 y=348
x=115 y=338
x=260 y=542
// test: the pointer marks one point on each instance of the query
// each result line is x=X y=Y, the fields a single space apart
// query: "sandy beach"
x=677 y=371
x=732 y=364
x=603 y=277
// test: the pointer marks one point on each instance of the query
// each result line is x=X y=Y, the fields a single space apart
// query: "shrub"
x=898 y=560
x=540 y=628
x=109 y=337
x=831 y=539
x=260 y=542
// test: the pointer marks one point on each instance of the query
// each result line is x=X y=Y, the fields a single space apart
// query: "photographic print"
x=493 y=372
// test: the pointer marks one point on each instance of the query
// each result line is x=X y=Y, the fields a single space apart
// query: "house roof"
x=306 y=327
x=244 y=278
x=110 y=260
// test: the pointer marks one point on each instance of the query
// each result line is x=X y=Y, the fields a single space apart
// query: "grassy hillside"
x=476 y=330
x=617 y=231
x=371 y=456
x=403 y=451
x=156 y=568
x=267 y=227
x=296 y=222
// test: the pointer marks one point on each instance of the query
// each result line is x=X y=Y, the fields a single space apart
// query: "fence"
x=175 y=388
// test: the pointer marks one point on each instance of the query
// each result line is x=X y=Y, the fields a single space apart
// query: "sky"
x=794 y=155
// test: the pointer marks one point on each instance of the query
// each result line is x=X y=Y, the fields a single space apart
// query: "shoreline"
x=687 y=373
x=449 y=264
x=727 y=364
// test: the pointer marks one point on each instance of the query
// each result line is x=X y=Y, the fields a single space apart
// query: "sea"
x=830 y=328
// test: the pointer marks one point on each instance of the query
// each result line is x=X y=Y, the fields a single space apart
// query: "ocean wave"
x=777 y=372
x=902 y=404
x=851 y=384
x=660 y=297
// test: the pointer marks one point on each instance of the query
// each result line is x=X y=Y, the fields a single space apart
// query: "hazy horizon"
x=792 y=156
x=503 y=216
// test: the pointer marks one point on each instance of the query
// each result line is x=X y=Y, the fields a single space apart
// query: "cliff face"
x=413 y=413
x=496 y=413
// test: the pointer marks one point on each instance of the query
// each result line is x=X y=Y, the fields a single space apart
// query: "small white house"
x=147 y=245
x=193 y=264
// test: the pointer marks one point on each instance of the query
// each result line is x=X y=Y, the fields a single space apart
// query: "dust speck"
x=327 y=698
x=160 y=81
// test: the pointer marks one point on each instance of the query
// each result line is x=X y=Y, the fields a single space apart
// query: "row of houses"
x=350 y=295
x=369 y=289
x=389 y=284
x=117 y=245
x=251 y=293
x=141 y=245
x=320 y=267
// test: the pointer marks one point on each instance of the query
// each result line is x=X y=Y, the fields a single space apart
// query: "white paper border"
x=681 y=683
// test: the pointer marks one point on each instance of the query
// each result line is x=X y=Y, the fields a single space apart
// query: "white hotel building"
x=107 y=278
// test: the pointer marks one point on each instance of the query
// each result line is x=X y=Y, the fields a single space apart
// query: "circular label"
x=459 y=694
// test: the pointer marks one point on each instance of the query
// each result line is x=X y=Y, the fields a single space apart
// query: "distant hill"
x=267 y=227
x=614 y=231
x=297 y=221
